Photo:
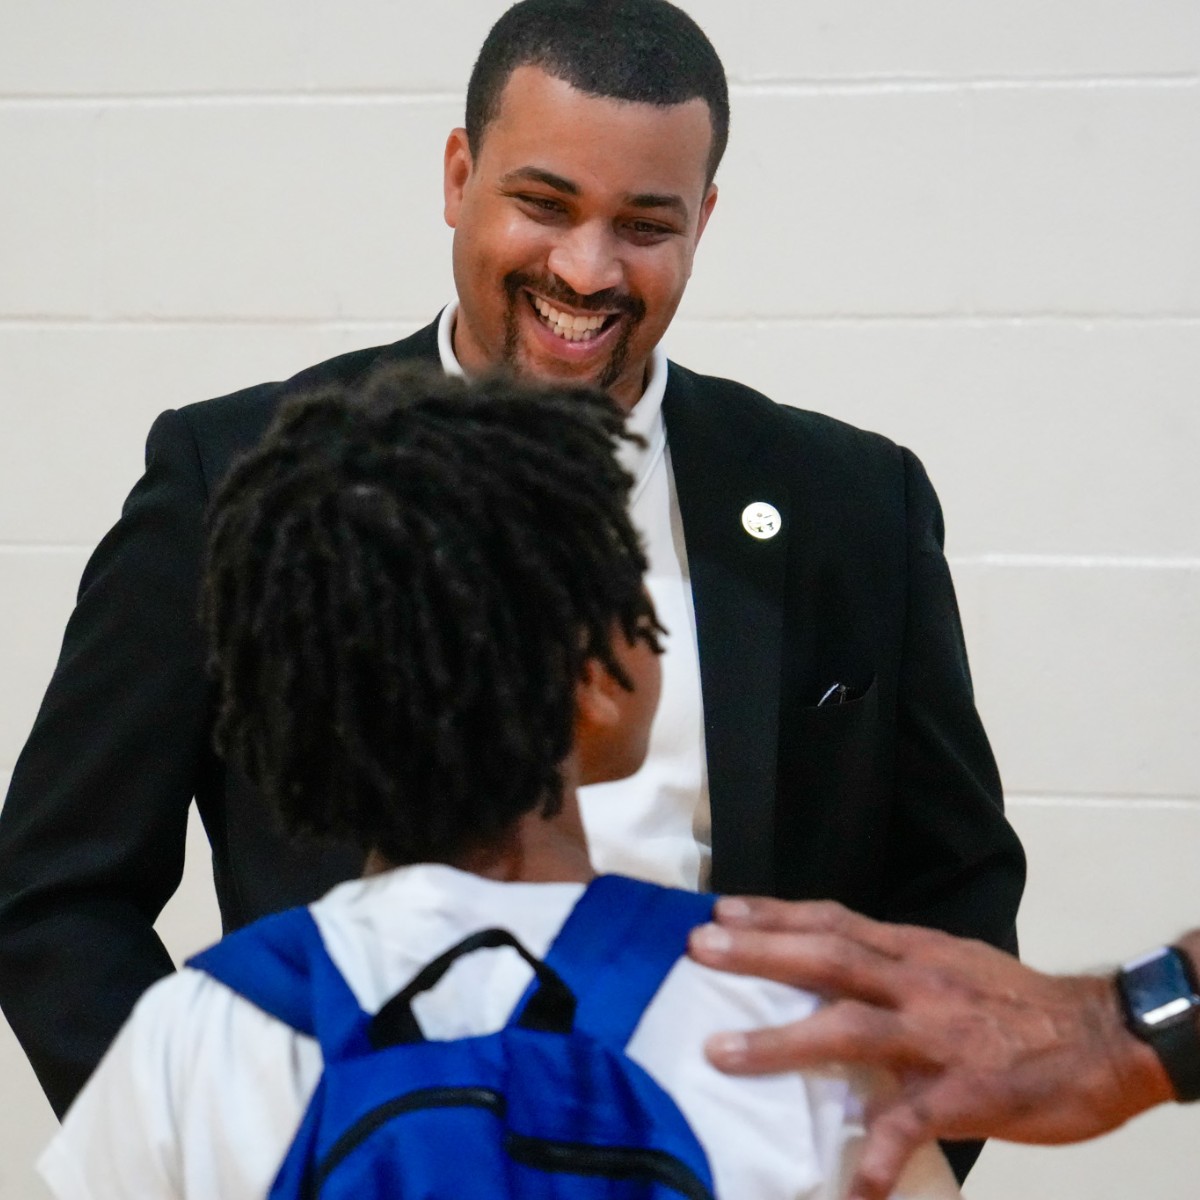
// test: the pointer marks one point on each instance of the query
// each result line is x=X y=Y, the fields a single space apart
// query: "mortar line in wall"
x=266 y=322
x=767 y=85
x=1163 y=803
x=973 y=319
x=946 y=317
x=1024 y=561
x=1132 y=562
x=281 y=99
x=30 y=549
x=889 y=85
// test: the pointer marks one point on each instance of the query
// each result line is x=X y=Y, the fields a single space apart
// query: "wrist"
x=1189 y=945
x=1138 y=1080
x=1159 y=999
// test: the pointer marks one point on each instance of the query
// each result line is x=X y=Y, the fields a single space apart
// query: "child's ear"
x=597 y=709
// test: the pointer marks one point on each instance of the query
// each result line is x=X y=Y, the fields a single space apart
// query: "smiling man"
x=817 y=735
x=571 y=253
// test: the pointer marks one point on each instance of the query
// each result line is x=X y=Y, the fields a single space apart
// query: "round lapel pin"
x=761 y=520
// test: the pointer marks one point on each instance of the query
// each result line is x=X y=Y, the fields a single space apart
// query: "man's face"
x=574 y=231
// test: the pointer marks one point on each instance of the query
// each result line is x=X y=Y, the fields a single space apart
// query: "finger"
x=819 y=916
x=892 y=1137
x=828 y=964
x=845 y=1032
x=803 y=916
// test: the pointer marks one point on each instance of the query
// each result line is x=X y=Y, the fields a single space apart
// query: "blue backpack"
x=547 y=1108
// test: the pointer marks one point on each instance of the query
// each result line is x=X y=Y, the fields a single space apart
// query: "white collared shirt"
x=656 y=824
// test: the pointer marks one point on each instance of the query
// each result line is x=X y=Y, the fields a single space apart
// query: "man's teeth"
x=573 y=329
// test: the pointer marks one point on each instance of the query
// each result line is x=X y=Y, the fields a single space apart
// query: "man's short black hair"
x=646 y=51
x=403 y=583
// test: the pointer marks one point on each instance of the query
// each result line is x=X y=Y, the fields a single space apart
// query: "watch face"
x=1157 y=988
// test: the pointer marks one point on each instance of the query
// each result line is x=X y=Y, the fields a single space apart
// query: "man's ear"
x=456 y=171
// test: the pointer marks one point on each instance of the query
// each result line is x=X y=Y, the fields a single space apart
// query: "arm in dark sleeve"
x=92 y=833
x=957 y=864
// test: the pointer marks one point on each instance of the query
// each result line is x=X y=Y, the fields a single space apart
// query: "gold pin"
x=761 y=520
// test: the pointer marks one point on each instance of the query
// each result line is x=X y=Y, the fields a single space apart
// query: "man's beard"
x=552 y=289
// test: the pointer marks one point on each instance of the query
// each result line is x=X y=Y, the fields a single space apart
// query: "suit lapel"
x=737 y=589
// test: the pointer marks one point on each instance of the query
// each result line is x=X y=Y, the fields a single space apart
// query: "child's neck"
x=535 y=850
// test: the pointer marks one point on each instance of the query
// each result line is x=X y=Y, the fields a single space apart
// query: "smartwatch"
x=1159 y=995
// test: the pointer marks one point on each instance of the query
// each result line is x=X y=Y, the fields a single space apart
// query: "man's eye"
x=542 y=203
x=649 y=230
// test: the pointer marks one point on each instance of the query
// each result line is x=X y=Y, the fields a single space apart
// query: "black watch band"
x=1178 y=1048
x=1162 y=1003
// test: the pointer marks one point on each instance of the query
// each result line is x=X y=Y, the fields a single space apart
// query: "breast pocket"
x=832 y=814
x=837 y=721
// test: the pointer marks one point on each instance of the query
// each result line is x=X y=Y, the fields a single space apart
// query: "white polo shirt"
x=655 y=825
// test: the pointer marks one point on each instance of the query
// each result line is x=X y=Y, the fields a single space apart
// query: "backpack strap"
x=617 y=946
x=280 y=965
x=551 y=1006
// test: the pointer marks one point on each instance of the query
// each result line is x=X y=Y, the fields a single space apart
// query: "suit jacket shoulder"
x=122 y=741
x=824 y=458
x=229 y=425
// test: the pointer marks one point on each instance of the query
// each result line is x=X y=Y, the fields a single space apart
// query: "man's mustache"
x=551 y=288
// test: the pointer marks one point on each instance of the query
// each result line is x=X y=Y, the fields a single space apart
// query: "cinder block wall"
x=970 y=226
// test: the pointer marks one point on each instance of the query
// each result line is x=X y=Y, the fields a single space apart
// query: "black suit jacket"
x=889 y=803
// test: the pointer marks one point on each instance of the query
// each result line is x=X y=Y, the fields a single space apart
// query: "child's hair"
x=403 y=583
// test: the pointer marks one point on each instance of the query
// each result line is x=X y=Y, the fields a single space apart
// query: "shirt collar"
x=645 y=419
x=450 y=363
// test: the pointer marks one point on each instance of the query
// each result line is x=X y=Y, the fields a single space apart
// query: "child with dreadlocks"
x=427 y=628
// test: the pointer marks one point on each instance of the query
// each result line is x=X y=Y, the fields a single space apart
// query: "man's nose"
x=587 y=259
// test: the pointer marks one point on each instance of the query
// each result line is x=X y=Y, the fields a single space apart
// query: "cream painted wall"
x=970 y=226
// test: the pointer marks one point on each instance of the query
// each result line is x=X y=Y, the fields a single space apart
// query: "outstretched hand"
x=981 y=1046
